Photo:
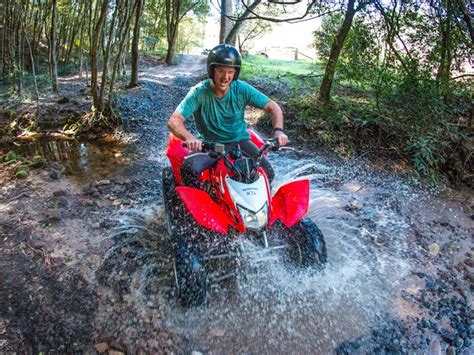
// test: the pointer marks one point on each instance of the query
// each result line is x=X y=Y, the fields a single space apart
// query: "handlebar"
x=210 y=146
x=219 y=148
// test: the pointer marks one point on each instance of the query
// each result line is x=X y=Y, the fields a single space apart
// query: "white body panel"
x=250 y=196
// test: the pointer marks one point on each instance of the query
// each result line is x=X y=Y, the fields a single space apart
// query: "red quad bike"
x=232 y=198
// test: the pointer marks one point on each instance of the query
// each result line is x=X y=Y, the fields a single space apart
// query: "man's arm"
x=176 y=126
x=277 y=121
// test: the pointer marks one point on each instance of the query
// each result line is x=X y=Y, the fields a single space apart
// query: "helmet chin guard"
x=224 y=55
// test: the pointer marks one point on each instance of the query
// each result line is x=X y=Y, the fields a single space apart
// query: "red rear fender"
x=205 y=211
x=290 y=203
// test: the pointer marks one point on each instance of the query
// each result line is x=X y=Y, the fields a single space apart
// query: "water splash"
x=278 y=308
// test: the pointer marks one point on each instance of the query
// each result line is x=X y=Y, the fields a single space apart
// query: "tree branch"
x=273 y=19
x=463 y=76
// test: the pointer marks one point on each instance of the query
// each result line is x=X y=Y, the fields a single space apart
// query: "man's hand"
x=281 y=137
x=176 y=126
x=193 y=143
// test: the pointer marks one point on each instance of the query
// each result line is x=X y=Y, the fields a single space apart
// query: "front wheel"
x=191 y=277
x=307 y=245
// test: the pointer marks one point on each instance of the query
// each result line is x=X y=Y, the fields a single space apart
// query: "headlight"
x=254 y=220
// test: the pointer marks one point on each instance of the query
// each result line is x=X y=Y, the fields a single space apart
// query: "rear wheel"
x=170 y=199
x=307 y=245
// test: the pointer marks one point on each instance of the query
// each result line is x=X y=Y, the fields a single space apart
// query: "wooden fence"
x=285 y=53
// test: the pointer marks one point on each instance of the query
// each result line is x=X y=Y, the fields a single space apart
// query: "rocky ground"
x=84 y=264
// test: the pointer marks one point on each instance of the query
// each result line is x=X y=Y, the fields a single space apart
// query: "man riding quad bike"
x=219 y=183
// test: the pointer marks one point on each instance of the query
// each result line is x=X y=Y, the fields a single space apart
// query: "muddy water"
x=282 y=310
x=82 y=161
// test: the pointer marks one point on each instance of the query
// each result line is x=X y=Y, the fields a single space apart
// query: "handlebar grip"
x=206 y=145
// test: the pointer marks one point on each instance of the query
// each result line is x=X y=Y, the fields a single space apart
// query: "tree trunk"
x=172 y=8
x=4 y=42
x=135 y=41
x=444 y=70
x=123 y=35
x=19 y=53
x=105 y=68
x=52 y=48
x=77 y=23
x=325 y=90
x=226 y=23
x=81 y=45
x=171 y=46
x=96 y=38
x=466 y=17
x=33 y=71
x=231 y=37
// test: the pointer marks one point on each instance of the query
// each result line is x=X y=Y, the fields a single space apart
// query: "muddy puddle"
x=82 y=161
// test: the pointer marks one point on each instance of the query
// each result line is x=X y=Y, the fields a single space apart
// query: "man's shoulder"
x=202 y=86
x=242 y=86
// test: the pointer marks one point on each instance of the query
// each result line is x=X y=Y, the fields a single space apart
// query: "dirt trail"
x=81 y=238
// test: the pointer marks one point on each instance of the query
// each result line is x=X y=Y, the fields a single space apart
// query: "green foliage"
x=10 y=156
x=360 y=55
x=393 y=78
x=190 y=35
x=21 y=172
x=255 y=66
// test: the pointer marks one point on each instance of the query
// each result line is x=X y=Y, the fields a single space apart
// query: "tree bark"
x=325 y=90
x=105 y=67
x=78 y=23
x=123 y=35
x=444 y=70
x=135 y=40
x=231 y=37
x=52 y=47
x=4 y=42
x=466 y=17
x=175 y=10
x=19 y=53
x=81 y=49
x=96 y=38
x=172 y=8
x=226 y=23
x=33 y=71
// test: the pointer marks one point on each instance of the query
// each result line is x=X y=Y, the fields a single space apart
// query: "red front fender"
x=290 y=203
x=205 y=211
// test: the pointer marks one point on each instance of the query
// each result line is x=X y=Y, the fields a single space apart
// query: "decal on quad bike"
x=250 y=196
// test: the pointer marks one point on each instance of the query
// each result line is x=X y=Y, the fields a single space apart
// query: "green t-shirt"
x=221 y=120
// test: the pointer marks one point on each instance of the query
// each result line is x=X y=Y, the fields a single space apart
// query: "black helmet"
x=224 y=54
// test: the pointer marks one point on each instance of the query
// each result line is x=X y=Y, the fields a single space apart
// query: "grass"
x=254 y=66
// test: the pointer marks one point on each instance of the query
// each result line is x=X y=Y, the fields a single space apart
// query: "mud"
x=85 y=260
